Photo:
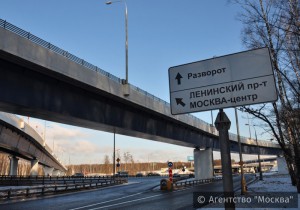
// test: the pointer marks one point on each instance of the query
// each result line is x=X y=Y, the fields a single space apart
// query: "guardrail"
x=52 y=189
x=195 y=182
x=44 y=180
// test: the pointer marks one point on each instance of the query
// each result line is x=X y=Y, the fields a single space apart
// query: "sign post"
x=118 y=163
x=222 y=124
x=170 y=165
x=170 y=181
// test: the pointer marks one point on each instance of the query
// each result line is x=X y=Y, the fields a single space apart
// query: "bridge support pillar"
x=56 y=172
x=48 y=171
x=34 y=167
x=282 y=166
x=13 y=169
x=203 y=163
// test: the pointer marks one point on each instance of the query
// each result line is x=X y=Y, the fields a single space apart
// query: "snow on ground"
x=271 y=182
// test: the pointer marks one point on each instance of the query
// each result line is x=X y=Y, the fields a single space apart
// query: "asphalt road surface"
x=139 y=193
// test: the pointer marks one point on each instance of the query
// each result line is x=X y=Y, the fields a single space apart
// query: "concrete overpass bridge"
x=41 y=80
x=20 y=140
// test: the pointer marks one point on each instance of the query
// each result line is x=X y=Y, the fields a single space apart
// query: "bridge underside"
x=31 y=90
x=21 y=145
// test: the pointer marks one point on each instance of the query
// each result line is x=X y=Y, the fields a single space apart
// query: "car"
x=78 y=175
x=121 y=174
x=139 y=175
x=153 y=174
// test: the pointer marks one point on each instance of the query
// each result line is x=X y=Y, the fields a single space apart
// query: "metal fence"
x=48 y=180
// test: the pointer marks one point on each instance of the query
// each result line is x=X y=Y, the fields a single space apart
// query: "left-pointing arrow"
x=179 y=101
x=178 y=77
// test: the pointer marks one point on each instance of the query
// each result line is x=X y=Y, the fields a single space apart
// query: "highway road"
x=139 y=193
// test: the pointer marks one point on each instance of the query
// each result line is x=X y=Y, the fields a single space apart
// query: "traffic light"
x=118 y=162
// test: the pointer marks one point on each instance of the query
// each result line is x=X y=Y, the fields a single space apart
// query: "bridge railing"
x=201 y=124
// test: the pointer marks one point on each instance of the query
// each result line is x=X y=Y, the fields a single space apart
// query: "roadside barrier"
x=49 y=180
x=195 y=182
x=53 y=189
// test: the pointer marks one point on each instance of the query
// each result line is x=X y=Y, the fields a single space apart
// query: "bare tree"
x=275 y=24
x=127 y=157
x=106 y=164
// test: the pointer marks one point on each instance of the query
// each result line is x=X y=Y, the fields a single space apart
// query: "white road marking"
x=102 y=207
x=126 y=201
x=107 y=201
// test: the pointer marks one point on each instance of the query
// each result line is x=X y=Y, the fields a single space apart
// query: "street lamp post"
x=243 y=181
x=114 y=155
x=126 y=39
x=249 y=125
x=258 y=154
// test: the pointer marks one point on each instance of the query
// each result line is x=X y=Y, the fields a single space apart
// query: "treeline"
x=105 y=168
x=132 y=168
x=23 y=166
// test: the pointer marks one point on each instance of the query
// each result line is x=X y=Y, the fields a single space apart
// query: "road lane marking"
x=102 y=207
x=134 y=200
x=127 y=201
x=107 y=201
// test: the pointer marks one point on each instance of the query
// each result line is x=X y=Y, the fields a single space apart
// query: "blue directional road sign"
x=170 y=164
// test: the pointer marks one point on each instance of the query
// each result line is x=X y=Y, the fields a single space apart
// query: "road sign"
x=170 y=164
x=118 y=164
x=118 y=160
x=233 y=80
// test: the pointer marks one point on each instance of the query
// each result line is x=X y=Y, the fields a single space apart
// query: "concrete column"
x=47 y=171
x=282 y=166
x=203 y=164
x=56 y=172
x=13 y=169
x=34 y=167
